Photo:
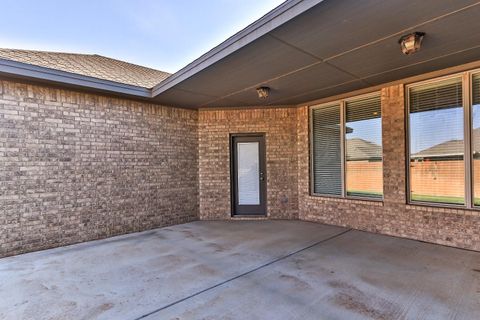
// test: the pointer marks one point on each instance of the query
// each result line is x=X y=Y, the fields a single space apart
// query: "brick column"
x=393 y=123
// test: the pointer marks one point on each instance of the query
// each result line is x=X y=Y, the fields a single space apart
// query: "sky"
x=162 y=34
x=369 y=130
x=430 y=128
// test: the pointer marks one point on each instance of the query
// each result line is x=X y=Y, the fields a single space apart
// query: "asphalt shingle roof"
x=91 y=65
x=445 y=149
x=450 y=148
x=359 y=149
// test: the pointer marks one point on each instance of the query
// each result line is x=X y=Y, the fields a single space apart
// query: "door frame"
x=233 y=180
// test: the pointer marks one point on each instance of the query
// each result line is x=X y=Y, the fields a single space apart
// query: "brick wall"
x=76 y=167
x=393 y=216
x=279 y=126
x=455 y=227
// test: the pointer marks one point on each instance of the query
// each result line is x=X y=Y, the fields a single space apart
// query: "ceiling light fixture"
x=411 y=43
x=263 y=92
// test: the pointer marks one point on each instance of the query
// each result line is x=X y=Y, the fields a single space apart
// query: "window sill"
x=359 y=200
x=452 y=206
x=473 y=211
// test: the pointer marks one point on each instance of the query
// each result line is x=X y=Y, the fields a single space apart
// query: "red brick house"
x=274 y=123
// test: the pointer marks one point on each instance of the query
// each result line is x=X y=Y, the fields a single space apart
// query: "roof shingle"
x=359 y=149
x=451 y=148
x=91 y=65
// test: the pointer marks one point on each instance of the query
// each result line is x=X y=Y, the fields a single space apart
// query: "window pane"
x=476 y=138
x=327 y=166
x=437 y=170
x=248 y=173
x=364 y=171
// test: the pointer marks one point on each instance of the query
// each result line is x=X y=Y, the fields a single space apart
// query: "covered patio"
x=308 y=167
x=243 y=270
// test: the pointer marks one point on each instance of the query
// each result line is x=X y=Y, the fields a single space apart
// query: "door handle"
x=262 y=177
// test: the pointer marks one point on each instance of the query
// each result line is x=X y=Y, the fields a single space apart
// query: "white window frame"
x=342 y=105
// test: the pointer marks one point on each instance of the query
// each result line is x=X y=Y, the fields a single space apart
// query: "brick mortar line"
x=243 y=274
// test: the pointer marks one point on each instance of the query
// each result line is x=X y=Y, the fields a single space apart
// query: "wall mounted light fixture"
x=411 y=43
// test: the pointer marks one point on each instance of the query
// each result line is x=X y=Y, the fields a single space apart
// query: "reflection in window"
x=437 y=169
x=363 y=148
x=476 y=138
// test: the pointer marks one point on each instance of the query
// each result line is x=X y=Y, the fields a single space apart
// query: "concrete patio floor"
x=243 y=270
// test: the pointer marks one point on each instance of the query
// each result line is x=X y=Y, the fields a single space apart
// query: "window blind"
x=476 y=89
x=476 y=120
x=363 y=109
x=442 y=95
x=327 y=163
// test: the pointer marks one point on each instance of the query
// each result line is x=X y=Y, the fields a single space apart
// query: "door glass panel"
x=248 y=173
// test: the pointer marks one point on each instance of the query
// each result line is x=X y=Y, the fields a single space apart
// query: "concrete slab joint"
x=239 y=270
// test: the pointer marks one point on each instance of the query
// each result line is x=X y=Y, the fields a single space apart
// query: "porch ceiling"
x=324 y=48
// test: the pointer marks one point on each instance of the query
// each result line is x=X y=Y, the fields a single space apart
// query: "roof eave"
x=275 y=18
x=42 y=74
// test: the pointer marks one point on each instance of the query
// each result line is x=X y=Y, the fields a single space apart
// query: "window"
x=437 y=143
x=347 y=148
x=476 y=138
x=327 y=164
x=363 y=138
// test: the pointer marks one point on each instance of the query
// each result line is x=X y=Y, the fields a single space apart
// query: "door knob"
x=261 y=176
